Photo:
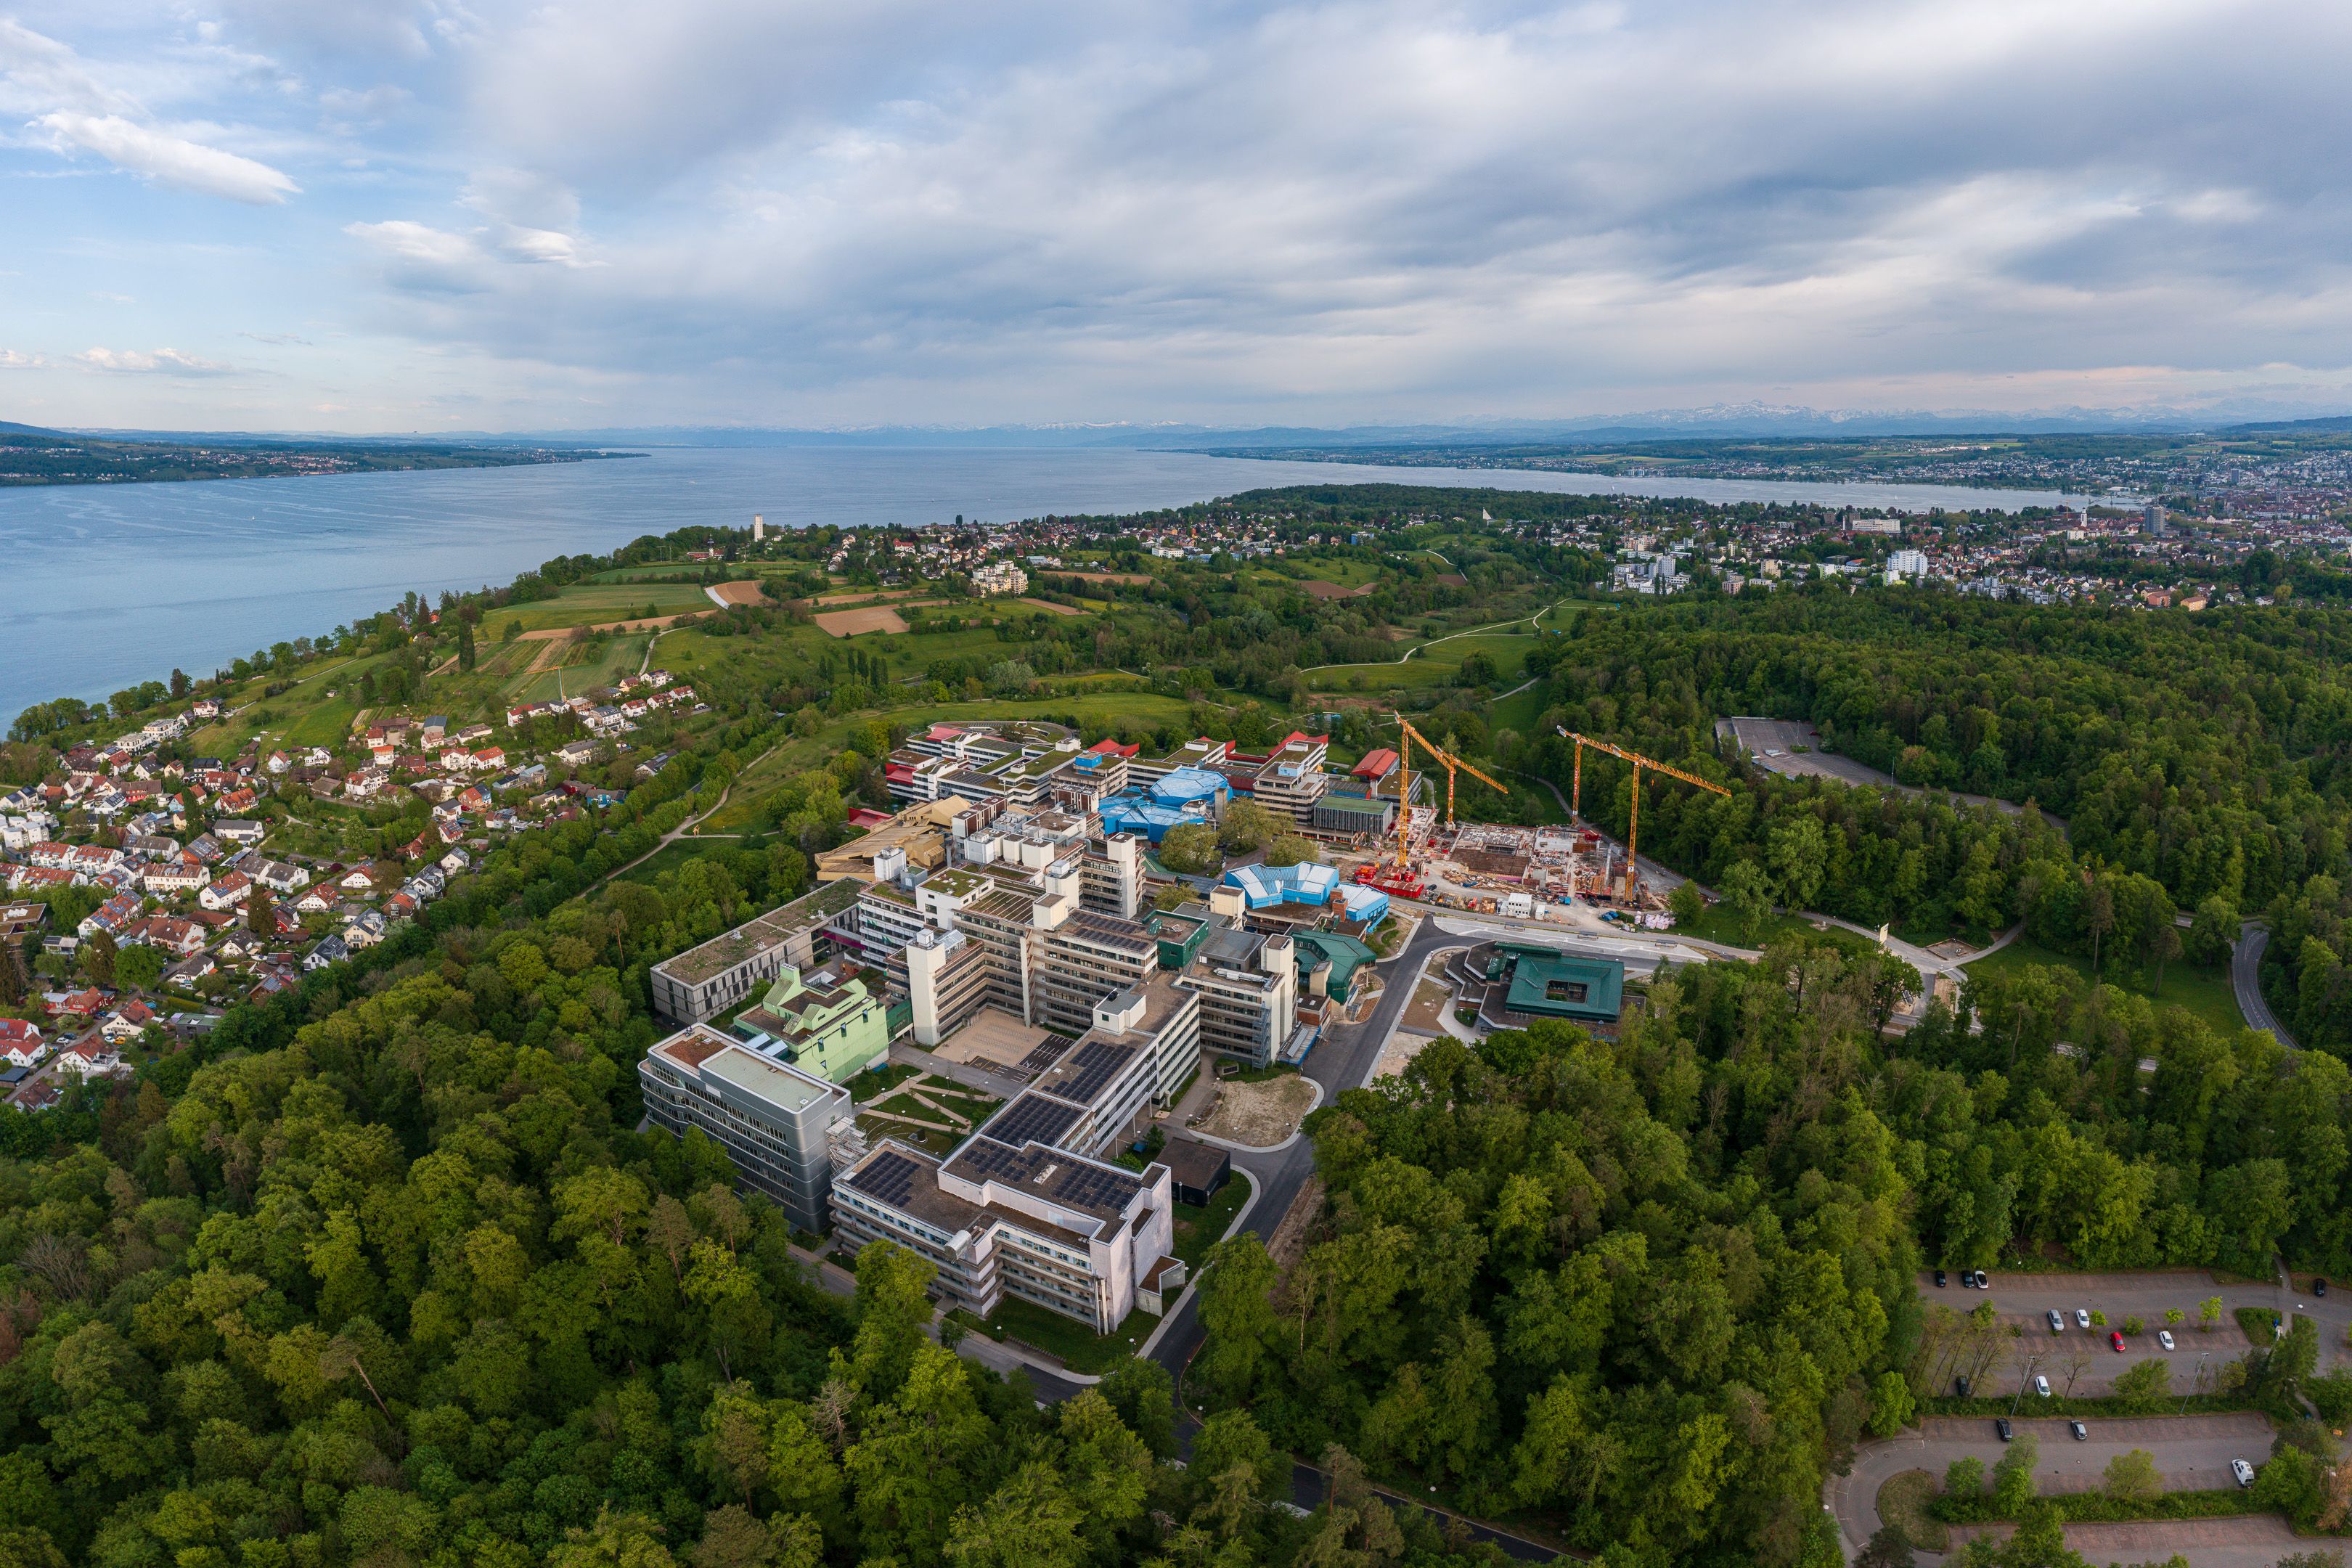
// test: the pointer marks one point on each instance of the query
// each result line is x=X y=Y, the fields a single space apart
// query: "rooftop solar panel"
x=1030 y=1117
x=889 y=1177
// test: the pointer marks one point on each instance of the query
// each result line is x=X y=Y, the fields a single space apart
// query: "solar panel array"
x=1092 y=1187
x=1046 y=1052
x=889 y=1176
x=1088 y=1071
x=989 y=1161
x=1030 y=1118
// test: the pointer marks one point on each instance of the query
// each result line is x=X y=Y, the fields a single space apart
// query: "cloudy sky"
x=442 y=214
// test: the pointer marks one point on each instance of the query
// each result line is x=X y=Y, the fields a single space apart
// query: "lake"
x=111 y=584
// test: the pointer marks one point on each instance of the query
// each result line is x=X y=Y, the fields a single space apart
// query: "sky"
x=503 y=214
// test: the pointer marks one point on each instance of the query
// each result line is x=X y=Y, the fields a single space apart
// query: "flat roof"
x=721 y=953
x=786 y=1088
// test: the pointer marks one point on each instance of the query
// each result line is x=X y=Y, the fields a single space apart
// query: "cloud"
x=174 y=159
x=276 y=339
x=10 y=359
x=161 y=361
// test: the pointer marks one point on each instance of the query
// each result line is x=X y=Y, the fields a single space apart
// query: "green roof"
x=1549 y=983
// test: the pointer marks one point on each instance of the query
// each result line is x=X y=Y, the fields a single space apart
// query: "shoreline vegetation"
x=31 y=457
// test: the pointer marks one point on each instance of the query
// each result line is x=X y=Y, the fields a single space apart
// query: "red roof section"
x=1376 y=765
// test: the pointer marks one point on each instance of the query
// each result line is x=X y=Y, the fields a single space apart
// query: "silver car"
x=2081 y=1317
x=2057 y=1323
x=2163 y=1338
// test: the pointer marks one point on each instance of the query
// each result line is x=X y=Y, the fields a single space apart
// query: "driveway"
x=2191 y=1452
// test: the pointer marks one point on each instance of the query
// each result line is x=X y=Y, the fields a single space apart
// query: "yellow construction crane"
x=1449 y=761
x=1634 y=827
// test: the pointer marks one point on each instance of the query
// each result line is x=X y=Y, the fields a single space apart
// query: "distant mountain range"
x=1742 y=420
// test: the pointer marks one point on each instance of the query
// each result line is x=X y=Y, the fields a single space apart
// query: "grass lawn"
x=877 y=1127
x=1077 y=1347
x=328 y=724
x=1716 y=925
x=588 y=605
x=671 y=856
x=583 y=668
x=1199 y=1229
x=2206 y=993
x=1522 y=711
x=880 y=1080
x=1904 y=1501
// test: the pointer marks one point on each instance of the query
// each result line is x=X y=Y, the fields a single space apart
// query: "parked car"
x=2082 y=1433
x=2163 y=1338
x=2116 y=1341
x=2001 y=1425
x=1940 y=1278
x=1960 y=1387
x=2081 y=1317
x=1984 y=1280
x=2042 y=1385
x=2057 y=1323
x=2244 y=1472
x=2319 y=1287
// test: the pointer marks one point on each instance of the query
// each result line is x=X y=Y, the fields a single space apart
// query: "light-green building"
x=827 y=1022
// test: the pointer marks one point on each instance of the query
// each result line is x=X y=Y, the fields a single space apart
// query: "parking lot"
x=2085 y=1355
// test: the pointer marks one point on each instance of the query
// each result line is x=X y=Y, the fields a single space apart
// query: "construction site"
x=1529 y=873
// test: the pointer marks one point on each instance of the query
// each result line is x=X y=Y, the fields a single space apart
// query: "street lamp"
x=2030 y=1363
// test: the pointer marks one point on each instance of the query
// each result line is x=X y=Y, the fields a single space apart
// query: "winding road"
x=2246 y=980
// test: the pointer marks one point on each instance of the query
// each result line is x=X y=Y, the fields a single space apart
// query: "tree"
x=1748 y=897
x=2098 y=916
x=260 y=914
x=2212 y=931
x=1190 y=847
x=98 y=956
x=2132 y=1477
x=1890 y=1404
x=2012 y=1476
x=1247 y=825
x=1291 y=849
x=1686 y=903
x=1797 y=855
x=2145 y=1385
x=2208 y=1314
x=1964 y=1476
x=138 y=968
x=1889 y=1548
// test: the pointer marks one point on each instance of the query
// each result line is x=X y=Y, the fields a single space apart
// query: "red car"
x=2116 y=1340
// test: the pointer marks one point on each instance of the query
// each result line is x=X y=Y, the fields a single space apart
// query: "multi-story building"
x=704 y=982
x=1025 y=1207
x=1290 y=778
x=784 y=1128
x=1248 y=985
x=825 y=1022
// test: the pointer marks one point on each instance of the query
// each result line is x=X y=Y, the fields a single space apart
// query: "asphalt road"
x=2246 y=980
x=2191 y=1452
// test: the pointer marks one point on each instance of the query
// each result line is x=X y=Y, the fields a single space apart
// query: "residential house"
x=230 y=889
x=238 y=830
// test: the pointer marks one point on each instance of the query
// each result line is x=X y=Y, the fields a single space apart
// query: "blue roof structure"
x=1262 y=887
x=1184 y=795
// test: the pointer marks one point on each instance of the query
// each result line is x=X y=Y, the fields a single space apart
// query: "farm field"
x=852 y=622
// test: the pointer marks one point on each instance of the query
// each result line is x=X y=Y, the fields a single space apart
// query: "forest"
x=1649 y=1291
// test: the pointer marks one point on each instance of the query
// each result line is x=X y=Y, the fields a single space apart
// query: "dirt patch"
x=1105 y=576
x=1289 y=1238
x=1432 y=1000
x=1260 y=1114
x=1452 y=579
x=1057 y=609
x=1397 y=1054
x=740 y=593
x=849 y=623
x=1316 y=588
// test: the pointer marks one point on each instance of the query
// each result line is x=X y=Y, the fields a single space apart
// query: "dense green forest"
x=1647 y=1291
x=2198 y=764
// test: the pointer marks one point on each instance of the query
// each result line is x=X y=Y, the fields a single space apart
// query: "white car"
x=2057 y=1323
x=2244 y=1472
x=2042 y=1385
x=2163 y=1338
x=2081 y=1317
